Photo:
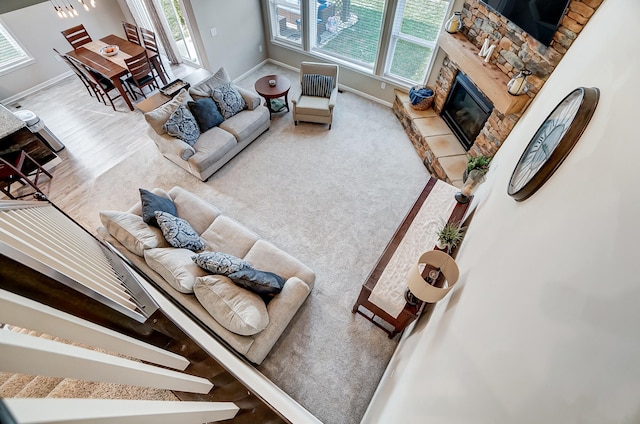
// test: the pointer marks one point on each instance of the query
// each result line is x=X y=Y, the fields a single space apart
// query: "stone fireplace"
x=514 y=50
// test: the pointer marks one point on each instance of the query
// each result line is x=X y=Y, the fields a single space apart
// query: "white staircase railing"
x=26 y=313
x=104 y=411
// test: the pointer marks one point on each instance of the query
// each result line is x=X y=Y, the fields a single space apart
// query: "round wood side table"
x=281 y=89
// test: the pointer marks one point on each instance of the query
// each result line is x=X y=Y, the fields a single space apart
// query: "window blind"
x=11 y=53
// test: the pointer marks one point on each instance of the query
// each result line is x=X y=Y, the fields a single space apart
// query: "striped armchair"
x=319 y=82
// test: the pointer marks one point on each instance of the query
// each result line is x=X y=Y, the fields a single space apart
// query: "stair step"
x=14 y=384
x=39 y=387
x=73 y=388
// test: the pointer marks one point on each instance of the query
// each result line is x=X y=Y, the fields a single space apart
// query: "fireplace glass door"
x=466 y=110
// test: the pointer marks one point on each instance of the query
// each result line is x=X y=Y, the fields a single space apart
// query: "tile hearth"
x=442 y=153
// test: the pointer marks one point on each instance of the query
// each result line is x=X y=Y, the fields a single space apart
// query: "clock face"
x=552 y=142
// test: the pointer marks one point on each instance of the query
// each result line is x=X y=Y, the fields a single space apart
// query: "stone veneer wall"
x=515 y=49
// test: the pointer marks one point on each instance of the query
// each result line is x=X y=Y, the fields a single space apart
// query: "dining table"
x=114 y=67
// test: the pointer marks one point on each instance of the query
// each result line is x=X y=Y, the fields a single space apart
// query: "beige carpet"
x=333 y=199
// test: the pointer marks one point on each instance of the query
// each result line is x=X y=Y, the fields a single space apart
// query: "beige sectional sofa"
x=174 y=272
x=216 y=146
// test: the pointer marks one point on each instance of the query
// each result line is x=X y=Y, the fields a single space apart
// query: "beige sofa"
x=174 y=272
x=216 y=146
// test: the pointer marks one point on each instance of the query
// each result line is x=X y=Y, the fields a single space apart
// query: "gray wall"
x=38 y=29
x=239 y=33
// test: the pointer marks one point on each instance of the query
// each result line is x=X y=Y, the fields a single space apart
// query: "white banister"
x=21 y=353
x=107 y=411
x=22 y=312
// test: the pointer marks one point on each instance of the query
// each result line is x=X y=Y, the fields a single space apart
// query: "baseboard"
x=341 y=87
x=35 y=88
x=251 y=70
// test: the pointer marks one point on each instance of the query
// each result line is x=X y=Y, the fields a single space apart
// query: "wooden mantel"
x=486 y=76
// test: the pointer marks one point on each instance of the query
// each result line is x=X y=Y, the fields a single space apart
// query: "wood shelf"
x=486 y=76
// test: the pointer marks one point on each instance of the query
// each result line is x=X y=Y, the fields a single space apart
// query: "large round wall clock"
x=552 y=142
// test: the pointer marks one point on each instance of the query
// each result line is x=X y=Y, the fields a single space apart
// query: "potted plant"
x=450 y=235
x=480 y=163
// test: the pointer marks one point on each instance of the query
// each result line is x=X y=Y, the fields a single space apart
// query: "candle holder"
x=474 y=179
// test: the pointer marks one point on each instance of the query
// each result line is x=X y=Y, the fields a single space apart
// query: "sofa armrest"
x=170 y=146
x=252 y=99
x=281 y=310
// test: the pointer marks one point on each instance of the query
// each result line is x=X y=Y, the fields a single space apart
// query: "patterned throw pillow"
x=317 y=85
x=179 y=232
x=228 y=99
x=183 y=125
x=220 y=263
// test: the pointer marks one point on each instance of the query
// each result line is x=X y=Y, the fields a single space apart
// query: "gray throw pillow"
x=220 y=263
x=152 y=203
x=228 y=99
x=183 y=125
x=179 y=232
x=259 y=282
x=206 y=113
x=317 y=85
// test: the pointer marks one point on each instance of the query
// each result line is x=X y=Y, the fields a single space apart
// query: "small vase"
x=442 y=246
x=454 y=24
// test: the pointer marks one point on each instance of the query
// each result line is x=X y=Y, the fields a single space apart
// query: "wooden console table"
x=409 y=312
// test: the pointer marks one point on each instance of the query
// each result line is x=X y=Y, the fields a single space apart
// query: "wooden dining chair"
x=141 y=73
x=24 y=170
x=131 y=31
x=79 y=73
x=77 y=36
x=149 y=42
x=101 y=85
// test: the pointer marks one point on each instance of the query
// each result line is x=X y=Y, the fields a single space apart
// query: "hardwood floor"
x=96 y=137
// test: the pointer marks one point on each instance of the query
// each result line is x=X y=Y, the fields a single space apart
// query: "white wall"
x=38 y=29
x=545 y=325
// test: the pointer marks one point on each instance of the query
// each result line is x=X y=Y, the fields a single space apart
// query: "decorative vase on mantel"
x=454 y=24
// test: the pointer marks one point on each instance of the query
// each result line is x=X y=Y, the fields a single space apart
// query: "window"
x=286 y=21
x=415 y=31
x=349 y=29
x=12 y=54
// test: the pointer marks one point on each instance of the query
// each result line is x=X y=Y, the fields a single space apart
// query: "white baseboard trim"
x=35 y=88
x=340 y=86
x=251 y=70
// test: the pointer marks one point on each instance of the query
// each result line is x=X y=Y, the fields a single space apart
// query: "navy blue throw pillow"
x=152 y=203
x=206 y=113
x=259 y=282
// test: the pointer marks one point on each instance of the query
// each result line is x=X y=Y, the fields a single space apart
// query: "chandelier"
x=65 y=9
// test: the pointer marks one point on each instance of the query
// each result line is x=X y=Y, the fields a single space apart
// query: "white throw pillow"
x=132 y=232
x=236 y=309
x=175 y=266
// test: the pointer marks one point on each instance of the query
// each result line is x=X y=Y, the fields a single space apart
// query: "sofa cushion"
x=211 y=147
x=152 y=203
x=205 y=88
x=178 y=232
x=157 y=117
x=228 y=99
x=175 y=266
x=317 y=85
x=220 y=263
x=318 y=106
x=246 y=123
x=183 y=125
x=264 y=255
x=197 y=211
x=259 y=282
x=206 y=113
x=132 y=232
x=228 y=236
x=236 y=309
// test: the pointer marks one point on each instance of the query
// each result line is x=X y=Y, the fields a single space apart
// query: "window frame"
x=25 y=60
x=274 y=23
x=396 y=34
